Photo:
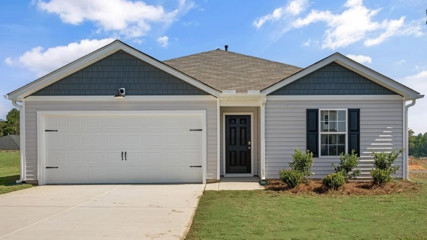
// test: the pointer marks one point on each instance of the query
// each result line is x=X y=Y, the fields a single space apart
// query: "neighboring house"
x=9 y=143
x=203 y=116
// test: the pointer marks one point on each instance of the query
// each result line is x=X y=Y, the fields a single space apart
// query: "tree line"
x=417 y=144
x=10 y=126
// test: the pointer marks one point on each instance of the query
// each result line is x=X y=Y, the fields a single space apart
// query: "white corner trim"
x=41 y=117
x=97 y=55
x=352 y=65
x=262 y=135
x=333 y=97
x=218 y=139
x=125 y=99
x=224 y=114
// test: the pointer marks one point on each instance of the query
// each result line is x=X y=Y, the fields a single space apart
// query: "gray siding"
x=255 y=135
x=333 y=79
x=31 y=108
x=380 y=130
x=119 y=70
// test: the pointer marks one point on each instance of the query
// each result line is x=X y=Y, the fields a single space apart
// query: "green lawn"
x=9 y=172
x=274 y=215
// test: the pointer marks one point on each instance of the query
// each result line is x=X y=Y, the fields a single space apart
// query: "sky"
x=389 y=36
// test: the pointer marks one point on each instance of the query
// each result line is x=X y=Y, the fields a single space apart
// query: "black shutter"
x=354 y=130
x=313 y=131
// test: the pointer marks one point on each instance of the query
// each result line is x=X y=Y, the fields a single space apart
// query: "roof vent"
x=226 y=47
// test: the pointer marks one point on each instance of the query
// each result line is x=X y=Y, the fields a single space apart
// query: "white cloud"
x=417 y=113
x=42 y=61
x=163 y=41
x=131 y=19
x=360 y=58
x=293 y=8
x=8 y=61
x=353 y=24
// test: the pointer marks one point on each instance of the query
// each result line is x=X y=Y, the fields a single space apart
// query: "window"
x=333 y=132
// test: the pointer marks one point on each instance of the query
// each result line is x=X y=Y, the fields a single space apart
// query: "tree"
x=417 y=144
x=11 y=125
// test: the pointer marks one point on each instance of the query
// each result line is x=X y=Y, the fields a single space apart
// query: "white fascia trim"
x=125 y=99
x=333 y=97
x=95 y=56
x=352 y=65
x=241 y=100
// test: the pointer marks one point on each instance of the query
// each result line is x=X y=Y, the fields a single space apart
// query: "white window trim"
x=320 y=131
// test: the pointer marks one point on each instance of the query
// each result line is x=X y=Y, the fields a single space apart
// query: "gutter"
x=406 y=139
x=21 y=138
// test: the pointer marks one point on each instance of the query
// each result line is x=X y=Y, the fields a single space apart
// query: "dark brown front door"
x=238 y=144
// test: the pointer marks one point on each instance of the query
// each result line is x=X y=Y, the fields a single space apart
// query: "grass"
x=9 y=172
x=283 y=215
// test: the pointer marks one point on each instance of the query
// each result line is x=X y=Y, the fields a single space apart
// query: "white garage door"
x=138 y=148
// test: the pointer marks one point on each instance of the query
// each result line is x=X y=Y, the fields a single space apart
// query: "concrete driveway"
x=99 y=212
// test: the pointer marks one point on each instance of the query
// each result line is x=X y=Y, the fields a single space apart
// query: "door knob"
x=249 y=147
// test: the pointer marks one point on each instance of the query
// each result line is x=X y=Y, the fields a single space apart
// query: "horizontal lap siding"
x=380 y=130
x=31 y=108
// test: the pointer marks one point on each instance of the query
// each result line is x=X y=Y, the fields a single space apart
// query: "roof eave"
x=26 y=90
x=378 y=78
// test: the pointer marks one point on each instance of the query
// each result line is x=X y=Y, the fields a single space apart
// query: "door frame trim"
x=223 y=145
x=41 y=118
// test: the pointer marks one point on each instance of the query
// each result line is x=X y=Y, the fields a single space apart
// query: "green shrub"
x=292 y=178
x=347 y=163
x=334 y=180
x=381 y=176
x=383 y=163
x=302 y=162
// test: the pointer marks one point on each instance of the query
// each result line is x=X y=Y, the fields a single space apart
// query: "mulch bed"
x=351 y=188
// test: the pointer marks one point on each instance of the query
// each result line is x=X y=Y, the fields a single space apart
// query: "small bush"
x=334 y=180
x=292 y=178
x=302 y=162
x=381 y=176
x=383 y=163
x=347 y=163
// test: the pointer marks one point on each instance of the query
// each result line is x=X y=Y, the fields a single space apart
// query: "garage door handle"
x=126 y=154
x=196 y=166
x=122 y=156
x=50 y=167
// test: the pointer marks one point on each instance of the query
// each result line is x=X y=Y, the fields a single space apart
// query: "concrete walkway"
x=99 y=212
x=250 y=183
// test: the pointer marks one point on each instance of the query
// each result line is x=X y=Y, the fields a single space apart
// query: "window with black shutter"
x=354 y=130
x=313 y=131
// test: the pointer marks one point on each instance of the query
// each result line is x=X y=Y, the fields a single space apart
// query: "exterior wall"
x=381 y=129
x=255 y=135
x=333 y=79
x=119 y=70
x=31 y=108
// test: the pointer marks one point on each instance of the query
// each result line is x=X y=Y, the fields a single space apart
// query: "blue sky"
x=390 y=37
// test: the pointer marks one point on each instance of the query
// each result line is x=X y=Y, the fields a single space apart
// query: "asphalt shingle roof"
x=225 y=70
x=9 y=142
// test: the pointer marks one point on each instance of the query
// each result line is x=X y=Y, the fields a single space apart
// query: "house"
x=9 y=143
x=118 y=115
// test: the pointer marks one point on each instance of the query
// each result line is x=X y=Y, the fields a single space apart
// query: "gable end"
x=119 y=70
x=333 y=79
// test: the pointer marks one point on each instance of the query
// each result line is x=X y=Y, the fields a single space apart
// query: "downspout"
x=406 y=143
x=21 y=138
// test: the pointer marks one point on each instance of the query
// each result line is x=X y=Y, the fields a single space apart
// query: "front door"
x=238 y=144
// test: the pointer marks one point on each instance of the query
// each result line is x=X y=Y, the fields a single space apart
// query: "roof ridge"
x=235 y=53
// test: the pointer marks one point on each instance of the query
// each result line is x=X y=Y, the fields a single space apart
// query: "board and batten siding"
x=31 y=108
x=381 y=130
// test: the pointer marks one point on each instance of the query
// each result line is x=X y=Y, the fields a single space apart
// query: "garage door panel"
x=159 y=148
